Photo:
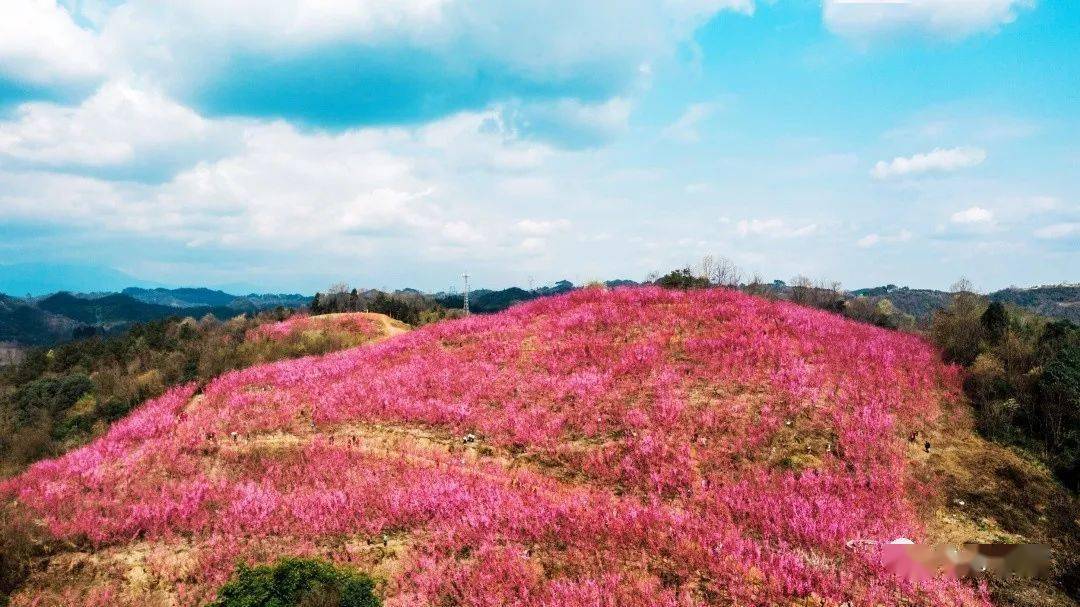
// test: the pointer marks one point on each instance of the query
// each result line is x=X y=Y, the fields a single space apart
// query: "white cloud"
x=953 y=19
x=1058 y=230
x=460 y=232
x=874 y=239
x=112 y=127
x=973 y=215
x=687 y=129
x=41 y=45
x=773 y=228
x=584 y=52
x=938 y=160
x=869 y=240
x=482 y=141
x=281 y=188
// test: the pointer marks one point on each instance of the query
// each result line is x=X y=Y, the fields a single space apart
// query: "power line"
x=466 y=277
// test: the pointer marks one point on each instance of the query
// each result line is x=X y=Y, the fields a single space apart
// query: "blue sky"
x=286 y=145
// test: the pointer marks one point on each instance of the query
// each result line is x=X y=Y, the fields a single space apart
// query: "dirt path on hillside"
x=419 y=445
x=412 y=444
x=394 y=327
x=390 y=326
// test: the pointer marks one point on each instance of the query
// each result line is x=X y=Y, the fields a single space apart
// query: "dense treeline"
x=410 y=307
x=1023 y=376
x=60 y=397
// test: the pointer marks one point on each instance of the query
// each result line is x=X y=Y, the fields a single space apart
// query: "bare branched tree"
x=727 y=273
x=707 y=269
x=963 y=285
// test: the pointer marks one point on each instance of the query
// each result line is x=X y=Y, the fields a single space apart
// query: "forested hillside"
x=1054 y=301
x=63 y=316
x=1057 y=301
x=60 y=396
x=24 y=323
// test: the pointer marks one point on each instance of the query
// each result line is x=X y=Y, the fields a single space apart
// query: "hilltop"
x=636 y=446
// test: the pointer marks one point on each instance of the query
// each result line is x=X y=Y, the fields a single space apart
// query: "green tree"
x=293 y=582
x=1059 y=390
x=682 y=279
x=49 y=396
x=958 y=329
x=994 y=321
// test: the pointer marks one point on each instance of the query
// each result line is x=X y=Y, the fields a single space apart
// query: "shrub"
x=49 y=395
x=1060 y=404
x=958 y=329
x=994 y=321
x=682 y=279
x=298 y=582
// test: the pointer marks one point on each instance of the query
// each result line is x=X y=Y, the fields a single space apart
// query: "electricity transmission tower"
x=466 y=277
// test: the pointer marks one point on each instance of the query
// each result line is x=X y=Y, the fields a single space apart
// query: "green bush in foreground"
x=298 y=582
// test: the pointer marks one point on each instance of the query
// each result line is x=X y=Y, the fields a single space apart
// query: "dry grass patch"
x=988 y=493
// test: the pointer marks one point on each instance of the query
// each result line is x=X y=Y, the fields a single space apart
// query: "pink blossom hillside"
x=634 y=447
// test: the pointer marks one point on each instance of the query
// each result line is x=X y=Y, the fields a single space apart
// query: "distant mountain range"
x=57 y=317
x=1055 y=301
x=188 y=297
x=486 y=300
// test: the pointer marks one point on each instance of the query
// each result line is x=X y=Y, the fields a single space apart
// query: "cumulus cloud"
x=939 y=160
x=118 y=125
x=953 y=19
x=773 y=228
x=973 y=216
x=380 y=63
x=284 y=188
x=482 y=141
x=41 y=45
